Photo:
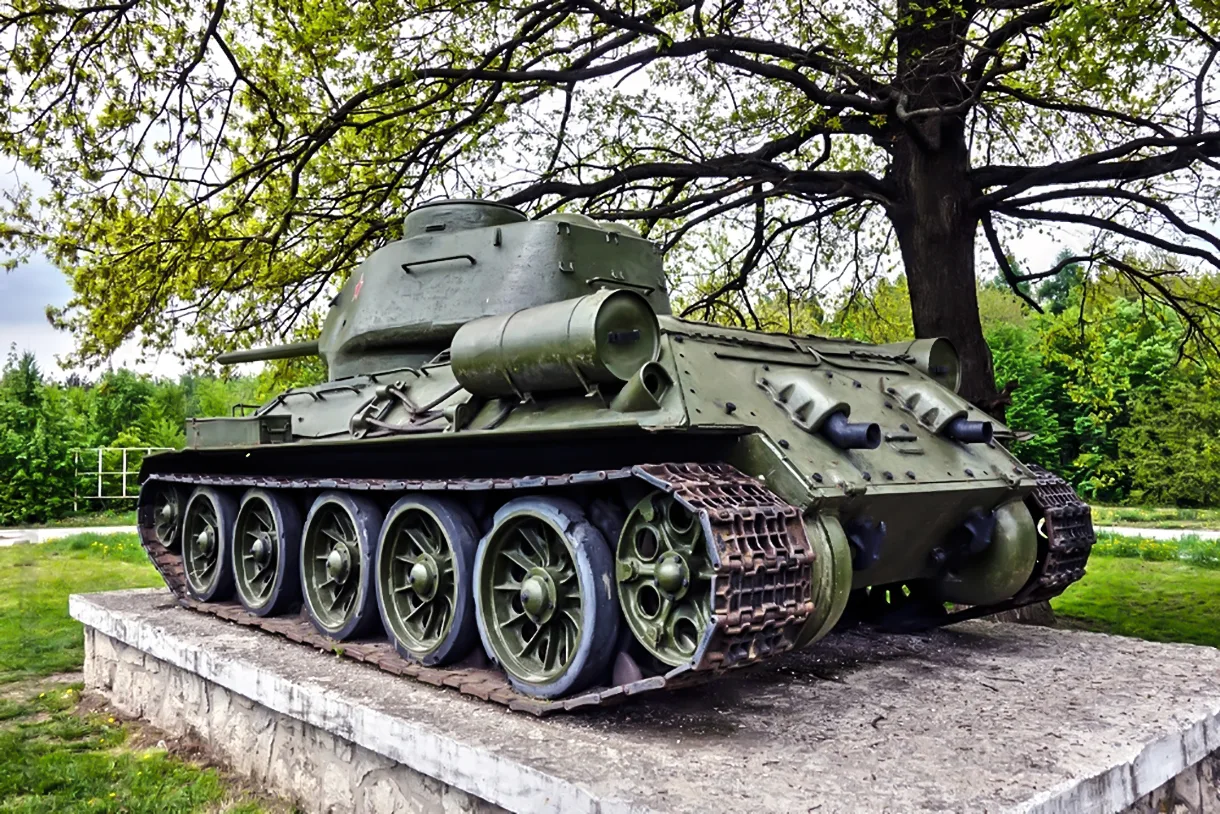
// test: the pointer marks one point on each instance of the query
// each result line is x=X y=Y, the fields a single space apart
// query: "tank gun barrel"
x=289 y=351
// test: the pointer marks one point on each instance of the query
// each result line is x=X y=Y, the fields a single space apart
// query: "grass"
x=55 y=754
x=37 y=637
x=1163 y=518
x=54 y=759
x=104 y=518
x=1158 y=601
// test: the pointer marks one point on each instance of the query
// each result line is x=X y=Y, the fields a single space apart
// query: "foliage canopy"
x=220 y=167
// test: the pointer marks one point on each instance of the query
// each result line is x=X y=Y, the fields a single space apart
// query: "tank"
x=527 y=480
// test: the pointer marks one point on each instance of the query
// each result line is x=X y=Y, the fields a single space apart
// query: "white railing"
x=107 y=473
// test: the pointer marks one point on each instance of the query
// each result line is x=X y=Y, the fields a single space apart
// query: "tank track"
x=762 y=587
x=1070 y=538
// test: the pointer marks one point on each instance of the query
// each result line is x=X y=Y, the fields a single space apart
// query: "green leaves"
x=42 y=422
x=1172 y=445
x=215 y=173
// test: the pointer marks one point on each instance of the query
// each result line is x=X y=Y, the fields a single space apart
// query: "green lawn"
x=54 y=756
x=37 y=638
x=1163 y=518
x=1160 y=601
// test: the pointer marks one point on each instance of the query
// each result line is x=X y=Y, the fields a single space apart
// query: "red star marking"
x=359 y=285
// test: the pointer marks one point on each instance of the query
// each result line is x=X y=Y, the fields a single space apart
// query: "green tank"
x=527 y=480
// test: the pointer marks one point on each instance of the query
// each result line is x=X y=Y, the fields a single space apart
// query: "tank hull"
x=786 y=525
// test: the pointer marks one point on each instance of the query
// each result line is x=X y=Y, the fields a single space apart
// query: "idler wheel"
x=266 y=550
x=207 y=527
x=546 y=608
x=167 y=505
x=425 y=586
x=338 y=553
x=665 y=578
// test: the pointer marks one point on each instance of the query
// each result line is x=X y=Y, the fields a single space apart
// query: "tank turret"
x=461 y=260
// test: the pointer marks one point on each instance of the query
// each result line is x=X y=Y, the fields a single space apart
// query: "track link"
x=762 y=588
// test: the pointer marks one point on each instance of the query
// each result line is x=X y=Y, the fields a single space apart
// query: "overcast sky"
x=25 y=294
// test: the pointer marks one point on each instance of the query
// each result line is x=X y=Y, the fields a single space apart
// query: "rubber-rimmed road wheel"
x=544 y=592
x=338 y=553
x=266 y=553
x=425 y=590
x=207 y=526
x=168 y=503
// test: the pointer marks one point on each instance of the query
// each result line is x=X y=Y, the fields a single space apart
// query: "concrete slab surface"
x=18 y=536
x=981 y=717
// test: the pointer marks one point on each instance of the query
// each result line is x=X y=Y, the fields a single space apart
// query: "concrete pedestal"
x=981 y=717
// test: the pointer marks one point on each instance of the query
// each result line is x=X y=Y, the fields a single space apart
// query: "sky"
x=25 y=294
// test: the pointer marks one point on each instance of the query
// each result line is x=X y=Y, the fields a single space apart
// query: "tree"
x=1172 y=446
x=1105 y=352
x=37 y=433
x=1055 y=292
x=221 y=167
x=1034 y=398
x=117 y=403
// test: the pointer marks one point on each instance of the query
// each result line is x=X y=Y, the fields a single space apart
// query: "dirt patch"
x=23 y=690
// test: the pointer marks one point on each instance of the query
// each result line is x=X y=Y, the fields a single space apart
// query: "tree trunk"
x=936 y=231
x=930 y=178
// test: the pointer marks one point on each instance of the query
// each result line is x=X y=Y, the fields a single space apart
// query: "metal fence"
x=108 y=473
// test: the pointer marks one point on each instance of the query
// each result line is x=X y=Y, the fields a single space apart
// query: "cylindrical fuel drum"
x=603 y=338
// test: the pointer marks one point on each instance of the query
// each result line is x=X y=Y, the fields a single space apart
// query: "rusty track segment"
x=1069 y=533
x=762 y=591
x=762 y=588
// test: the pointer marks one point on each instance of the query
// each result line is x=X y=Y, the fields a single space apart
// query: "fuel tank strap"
x=762 y=589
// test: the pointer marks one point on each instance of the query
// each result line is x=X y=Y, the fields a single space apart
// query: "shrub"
x=1189 y=548
x=1200 y=552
